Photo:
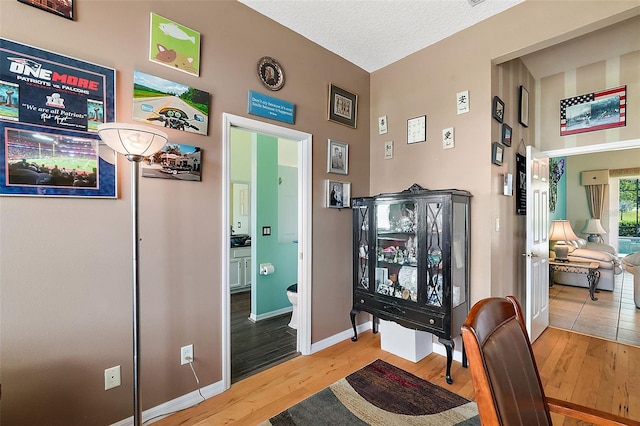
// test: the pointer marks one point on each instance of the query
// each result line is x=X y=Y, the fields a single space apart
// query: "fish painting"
x=172 y=30
x=174 y=45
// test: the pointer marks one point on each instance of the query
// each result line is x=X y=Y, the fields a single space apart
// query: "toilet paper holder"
x=266 y=269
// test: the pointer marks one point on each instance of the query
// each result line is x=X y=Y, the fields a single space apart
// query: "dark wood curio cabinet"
x=411 y=261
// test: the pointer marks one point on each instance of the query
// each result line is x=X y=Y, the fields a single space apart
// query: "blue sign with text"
x=273 y=108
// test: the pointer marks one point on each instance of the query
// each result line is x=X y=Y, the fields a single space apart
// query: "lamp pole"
x=137 y=408
x=135 y=142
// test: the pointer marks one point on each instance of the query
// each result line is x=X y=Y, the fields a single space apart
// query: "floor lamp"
x=135 y=142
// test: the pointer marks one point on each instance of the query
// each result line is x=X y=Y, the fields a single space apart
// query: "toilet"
x=292 y=294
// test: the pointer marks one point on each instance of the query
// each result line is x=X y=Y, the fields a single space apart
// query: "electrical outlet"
x=112 y=377
x=186 y=354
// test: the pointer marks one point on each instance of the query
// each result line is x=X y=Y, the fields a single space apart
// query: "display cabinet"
x=411 y=261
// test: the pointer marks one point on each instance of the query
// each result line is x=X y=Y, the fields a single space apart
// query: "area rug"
x=380 y=394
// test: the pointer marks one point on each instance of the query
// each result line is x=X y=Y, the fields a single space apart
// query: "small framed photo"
x=337 y=157
x=417 y=129
x=388 y=150
x=506 y=134
x=497 y=153
x=498 y=109
x=62 y=8
x=448 y=140
x=343 y=106
x=338 y=194
x=523 y=110
x=462 y=102
x=382 y=125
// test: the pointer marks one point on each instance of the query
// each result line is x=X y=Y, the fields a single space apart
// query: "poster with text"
x=50 y=107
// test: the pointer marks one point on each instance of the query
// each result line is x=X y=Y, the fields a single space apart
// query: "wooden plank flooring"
x=261 y=345
x=575 y=367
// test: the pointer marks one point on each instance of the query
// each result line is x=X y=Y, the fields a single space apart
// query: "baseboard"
x=337 y=338
x=271 y=314
x=170 y=407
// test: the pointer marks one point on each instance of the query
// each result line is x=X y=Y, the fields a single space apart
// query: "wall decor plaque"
x=270 y=73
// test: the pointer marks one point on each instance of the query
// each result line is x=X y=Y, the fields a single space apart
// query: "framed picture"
x=174 y=45
x=388 y=150
x=62 y=8
x=270 y=73
x=337 y=157
x=417 y=129
x=343 y=106
x=497 y=153
x=498 y=109
x=49 y=146
x=462 y=102
x=382 y=125
x=448 y=138
x=593 y=111
x=523 y=110
x=338 y=194
x=506 y=134
x=172 y=105
x=174 y=161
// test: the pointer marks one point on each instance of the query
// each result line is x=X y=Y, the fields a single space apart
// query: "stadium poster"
x=50 y=107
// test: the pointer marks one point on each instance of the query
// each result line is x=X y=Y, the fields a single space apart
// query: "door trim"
x=304 y=231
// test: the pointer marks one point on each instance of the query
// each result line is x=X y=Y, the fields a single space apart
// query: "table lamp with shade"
x=561 y=231
x=135 y=142
x=594 y=228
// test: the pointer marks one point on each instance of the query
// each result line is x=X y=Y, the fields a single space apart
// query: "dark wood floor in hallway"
x=257 y=346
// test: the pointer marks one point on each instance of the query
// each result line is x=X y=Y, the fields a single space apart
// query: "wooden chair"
x=505 y=377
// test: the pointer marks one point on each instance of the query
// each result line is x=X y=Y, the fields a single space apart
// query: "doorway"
x=303 y=338
x=570 y=307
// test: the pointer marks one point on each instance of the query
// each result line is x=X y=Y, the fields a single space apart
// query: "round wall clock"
x=270 y=73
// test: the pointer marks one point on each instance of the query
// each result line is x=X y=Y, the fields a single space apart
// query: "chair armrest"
x=591 y=415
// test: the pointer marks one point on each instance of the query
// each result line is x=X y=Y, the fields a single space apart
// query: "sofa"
x=583 y=251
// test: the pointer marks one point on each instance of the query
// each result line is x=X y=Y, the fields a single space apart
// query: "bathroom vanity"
x=411 y=262
x=240 y=269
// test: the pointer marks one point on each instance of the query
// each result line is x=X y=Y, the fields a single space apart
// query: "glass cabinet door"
x=434 y=212
x=459 y=273
x=362 y=245
x=396 y=242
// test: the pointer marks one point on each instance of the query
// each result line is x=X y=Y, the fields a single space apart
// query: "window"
x=629 y=206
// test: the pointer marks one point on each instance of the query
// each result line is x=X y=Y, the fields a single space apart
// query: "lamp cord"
x=186 y=408
x=197 y=380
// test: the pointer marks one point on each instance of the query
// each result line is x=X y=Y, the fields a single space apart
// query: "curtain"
x=596 y=195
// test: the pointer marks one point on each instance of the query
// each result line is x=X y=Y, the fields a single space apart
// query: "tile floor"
x=613 y=316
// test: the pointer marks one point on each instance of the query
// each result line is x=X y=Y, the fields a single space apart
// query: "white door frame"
x=304 y=231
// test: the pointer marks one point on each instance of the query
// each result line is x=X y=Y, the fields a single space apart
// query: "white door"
x=537 y=247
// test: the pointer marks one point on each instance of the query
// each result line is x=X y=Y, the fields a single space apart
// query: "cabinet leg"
x=449 y=345
x=353 y=314
x=375 y=325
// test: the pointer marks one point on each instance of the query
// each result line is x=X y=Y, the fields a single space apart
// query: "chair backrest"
x=507 y=385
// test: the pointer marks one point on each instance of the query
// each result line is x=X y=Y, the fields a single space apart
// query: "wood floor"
x=261 y=345
x=575 y=367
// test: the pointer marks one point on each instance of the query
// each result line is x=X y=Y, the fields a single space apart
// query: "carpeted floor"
x=380 y=394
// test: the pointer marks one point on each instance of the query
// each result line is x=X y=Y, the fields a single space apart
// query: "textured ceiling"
x=374 y=33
